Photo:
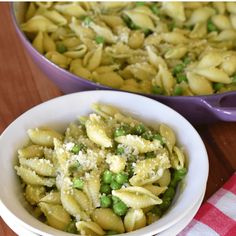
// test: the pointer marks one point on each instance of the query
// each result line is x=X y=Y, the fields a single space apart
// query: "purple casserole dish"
x=197 y=109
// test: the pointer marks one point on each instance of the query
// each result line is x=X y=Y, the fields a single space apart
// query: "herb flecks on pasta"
x=108 y=173
x=163 y=48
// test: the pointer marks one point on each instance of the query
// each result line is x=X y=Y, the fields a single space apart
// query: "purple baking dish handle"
x=223 y=107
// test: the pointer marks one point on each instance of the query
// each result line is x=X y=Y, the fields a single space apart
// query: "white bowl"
x=59 y=112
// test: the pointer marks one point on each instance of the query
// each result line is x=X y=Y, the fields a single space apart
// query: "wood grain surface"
x=23 y=86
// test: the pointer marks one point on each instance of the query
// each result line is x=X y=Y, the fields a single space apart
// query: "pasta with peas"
x=165 y=48
x=108 y=173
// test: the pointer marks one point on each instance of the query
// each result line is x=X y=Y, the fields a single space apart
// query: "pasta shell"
x=30 y=11
x=168 y=135
x=154 y=59
x=165 y=178
x=177 y=159
x=41 y=166
x=105 y=110
x=156 y=190
x=220 y=6
x=108 y=220
x=233 y=20
x=139 y=143
x=48 y=43
x=149 y=170
x=92 y=188
x=141 y=20
x=174 y=38
x=56 y=216
x=30 y=177
x=96 y=131
x=71 y=9
x=174 y=10
x=231 y=7
x=200 y=15
x=106 y=33
x=166 y=78
x=211 y=59
x=226 y=35
x=134 y=219
x=33 y=194
x=53 y=197
x=55 y=17
x=111 y=79
x=58 y=59
x=71 y=205
x=89 y=228
x=83 y=201
x=213 y=74
x=39 y=23
x=136 y=197
x=31 y=151
x=38 y=42
x=77 y=52
x=95 y=59
x=176 y=53
x=116 y=163
x=222 y=22
x=198 y=84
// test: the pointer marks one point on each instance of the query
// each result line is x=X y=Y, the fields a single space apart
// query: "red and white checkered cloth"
x=218 y=215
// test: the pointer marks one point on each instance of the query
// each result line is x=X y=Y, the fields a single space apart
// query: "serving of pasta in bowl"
x=101 y=166
x=180 y=53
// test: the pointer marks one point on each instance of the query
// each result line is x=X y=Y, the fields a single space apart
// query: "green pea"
x=157 y=90
x=115 y=185
x=105 y=188
x=165 y=205
x=120 y=150
x=169 y=194
x=178 y=69
x=61 y=48
x=157 y=211
x=99 y=39
x=71 y=228
x=181 y=77
x=177 y=176
x=115 y=199
x=186 y=60
x=74 y=166
x=107 y=177
x=87 y=20
x=217 y=86
x=77 y=148
x=139 y=129
x=78 y=183
x=178 y=91
x=105 y=201
x=155 y=9
x=211 y=27
x=158 y=137
x=147 y=135
x=120 y=208
x=121 y=178
x=122 y=130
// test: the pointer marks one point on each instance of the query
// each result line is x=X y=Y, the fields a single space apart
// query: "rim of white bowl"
x=115 y=98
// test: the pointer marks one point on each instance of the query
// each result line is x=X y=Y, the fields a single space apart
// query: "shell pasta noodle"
x=163 y=48
x=108 y=173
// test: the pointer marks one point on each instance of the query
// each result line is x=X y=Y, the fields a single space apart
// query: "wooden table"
x=23 y=86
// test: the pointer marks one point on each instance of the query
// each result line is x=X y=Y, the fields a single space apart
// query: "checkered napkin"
x=218 y=215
